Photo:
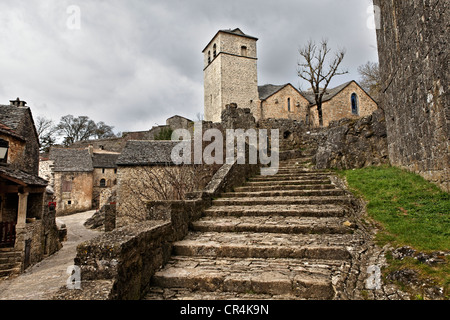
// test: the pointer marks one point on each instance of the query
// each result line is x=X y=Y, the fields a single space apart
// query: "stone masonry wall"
x=413 y=54
x=350 y=144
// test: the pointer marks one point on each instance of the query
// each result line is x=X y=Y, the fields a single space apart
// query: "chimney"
x=17 y=103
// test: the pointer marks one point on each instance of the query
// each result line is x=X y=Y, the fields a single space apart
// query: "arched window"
x=355 y=108
x=214 y=50
x=209 y=56
x=103 y=183
x=244 y=51
x=289 y=104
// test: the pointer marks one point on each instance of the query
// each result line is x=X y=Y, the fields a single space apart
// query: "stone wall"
x=350 y=144
x=413 y=54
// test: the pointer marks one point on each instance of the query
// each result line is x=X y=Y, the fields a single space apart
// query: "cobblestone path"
x=42 y=280
x=288 y=236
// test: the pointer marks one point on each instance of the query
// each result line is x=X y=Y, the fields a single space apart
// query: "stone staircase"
x=286 y=236
x=10 y=262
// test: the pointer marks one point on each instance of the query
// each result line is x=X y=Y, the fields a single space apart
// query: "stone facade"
x=338 y=105
x=230 y=73
x=23 y=194
x=286 y=103
x=413 y=54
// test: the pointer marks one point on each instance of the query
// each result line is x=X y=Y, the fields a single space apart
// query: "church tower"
x=230 y=73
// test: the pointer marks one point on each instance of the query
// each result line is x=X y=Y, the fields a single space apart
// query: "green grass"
x=411 y=210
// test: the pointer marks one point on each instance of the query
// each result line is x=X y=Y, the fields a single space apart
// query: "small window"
x=115 y=171
x=209 y=56
x=103 y=183
x=67 y=186
x=289 y=104
x=69 y=202
x=103 y=170
x=355 y=110
x=215 y=50
x=244 y=51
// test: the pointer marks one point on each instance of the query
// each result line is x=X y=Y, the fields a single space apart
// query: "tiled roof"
x=71 y=160
x=104 y=160
x=269 y=89
x=330 y=94
x=22 y=176
x=146 y=152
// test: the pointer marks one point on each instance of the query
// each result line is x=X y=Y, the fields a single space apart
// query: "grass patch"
x=411 y=210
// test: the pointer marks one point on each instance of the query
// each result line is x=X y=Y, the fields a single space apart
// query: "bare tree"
x=46 y=131
x=162 y=182
x=318 y=69
x=371 y=79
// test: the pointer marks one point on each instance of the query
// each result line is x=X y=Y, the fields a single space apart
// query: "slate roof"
x=147 y=152
x=330 y=94
x=22 y=176
x=104 y=160
x=269 y=89
x=13 y=117
x=71 y=160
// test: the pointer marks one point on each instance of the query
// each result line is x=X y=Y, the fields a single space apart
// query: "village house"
x=230 y=76
x=28 y=230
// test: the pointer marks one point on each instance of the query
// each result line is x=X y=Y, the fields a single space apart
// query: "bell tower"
x=230 y=73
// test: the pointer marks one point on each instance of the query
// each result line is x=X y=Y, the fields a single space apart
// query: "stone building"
x=71 y=172
x=230 y=73
x=348 y=100
x=28 y=229
x=104 y=177
x=413 y=53
x=230 y=76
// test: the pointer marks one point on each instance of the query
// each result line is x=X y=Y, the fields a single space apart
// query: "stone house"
x=104 y=177
x=146 y=172
x=28 y=229
x=72 y=178
x=230 y=76
x=348 y=100
x=81 y=178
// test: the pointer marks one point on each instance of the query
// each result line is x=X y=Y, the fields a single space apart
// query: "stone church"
x=231 y=76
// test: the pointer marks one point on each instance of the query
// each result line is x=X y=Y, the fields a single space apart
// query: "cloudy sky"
x=135 y=63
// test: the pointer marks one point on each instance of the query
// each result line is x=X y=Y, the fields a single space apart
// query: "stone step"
x=158 y=293
x=10 y=271
x=265 y=245
x=284 y=177
x=286 y=187
x=282 y=183
x=277 y=210
x=341 y=200
x=272 y=224
x=299 y=278
x=285 y=193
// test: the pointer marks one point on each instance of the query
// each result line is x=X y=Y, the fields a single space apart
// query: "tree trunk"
x=319 y=113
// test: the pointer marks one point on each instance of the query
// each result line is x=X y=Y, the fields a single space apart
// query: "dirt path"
x=40 y=281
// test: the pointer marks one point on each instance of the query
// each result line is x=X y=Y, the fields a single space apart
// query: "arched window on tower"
x=244 y=51
x=209 y=56
x=214 y=50
x=355 y=106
